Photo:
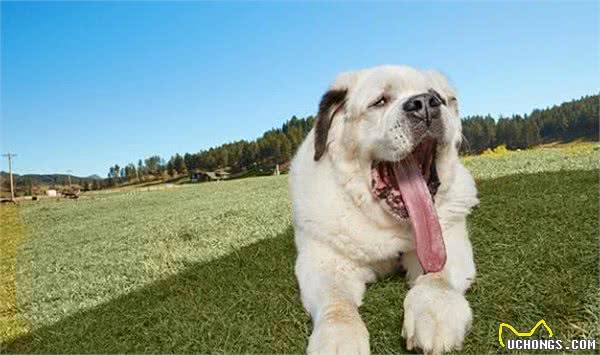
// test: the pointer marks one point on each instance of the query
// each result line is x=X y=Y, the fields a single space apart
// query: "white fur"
x=345 y=238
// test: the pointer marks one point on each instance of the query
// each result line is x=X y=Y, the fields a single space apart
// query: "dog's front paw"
x=343 y=337
x=436 y=319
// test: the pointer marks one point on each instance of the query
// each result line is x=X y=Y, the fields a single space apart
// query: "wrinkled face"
x=385 y=117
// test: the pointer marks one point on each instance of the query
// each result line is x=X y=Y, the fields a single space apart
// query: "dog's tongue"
x=431 y=250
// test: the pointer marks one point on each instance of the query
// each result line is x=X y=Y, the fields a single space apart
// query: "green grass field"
x=209 y=267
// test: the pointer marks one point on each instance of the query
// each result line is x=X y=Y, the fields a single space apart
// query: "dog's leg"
x=332 y=288
x=436 y=314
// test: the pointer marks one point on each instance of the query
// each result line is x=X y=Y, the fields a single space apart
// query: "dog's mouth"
x=385 y=184
x=406 y=190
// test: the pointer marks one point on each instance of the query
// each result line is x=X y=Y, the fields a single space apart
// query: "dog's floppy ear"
x=330 y=104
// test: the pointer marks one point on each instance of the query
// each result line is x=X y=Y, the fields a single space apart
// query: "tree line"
x=570 y=120
x=276 y=146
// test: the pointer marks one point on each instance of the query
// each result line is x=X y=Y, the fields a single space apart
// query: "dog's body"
x=347 y=237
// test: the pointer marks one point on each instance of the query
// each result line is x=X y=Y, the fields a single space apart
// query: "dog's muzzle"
x=424 y=107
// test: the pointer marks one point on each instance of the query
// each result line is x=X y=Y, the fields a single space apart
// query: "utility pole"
x=69 y=175
x=12 y=187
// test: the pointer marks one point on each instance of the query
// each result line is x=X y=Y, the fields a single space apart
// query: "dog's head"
x=384 y=113
x=385 y=117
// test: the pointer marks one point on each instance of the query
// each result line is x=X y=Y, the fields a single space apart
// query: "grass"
x=209 y=267
x=115 y=243
x=12 y=235
x=580 y=156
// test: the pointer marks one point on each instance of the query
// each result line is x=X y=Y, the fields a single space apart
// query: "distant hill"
x=46 y=179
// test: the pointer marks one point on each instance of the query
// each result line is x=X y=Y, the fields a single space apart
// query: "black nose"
x=424 y=106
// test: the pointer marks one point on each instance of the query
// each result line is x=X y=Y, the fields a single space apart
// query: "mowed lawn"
x=209 y=267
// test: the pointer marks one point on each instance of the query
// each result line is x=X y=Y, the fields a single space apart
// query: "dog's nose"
x=424 y=107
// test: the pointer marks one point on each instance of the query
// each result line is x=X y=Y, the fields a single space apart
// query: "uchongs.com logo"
x=525 y=340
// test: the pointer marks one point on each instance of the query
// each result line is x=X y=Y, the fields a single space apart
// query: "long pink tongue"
x=431 y=250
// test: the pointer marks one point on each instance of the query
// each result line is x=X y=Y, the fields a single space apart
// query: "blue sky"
x=88 y=85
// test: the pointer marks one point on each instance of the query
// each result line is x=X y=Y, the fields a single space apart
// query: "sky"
x=85 y=85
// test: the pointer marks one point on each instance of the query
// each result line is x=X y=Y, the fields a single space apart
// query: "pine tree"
x=171 y=168
x=179 y=164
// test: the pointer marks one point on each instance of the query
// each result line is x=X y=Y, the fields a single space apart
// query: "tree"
x=190 y=162
x=171 y=167
x=179 y=164
x=130 y=172
x=28 y=186
x=285 y=149
x=153 y=164
x=162 y=167
x=117 y=173
x=140 y=169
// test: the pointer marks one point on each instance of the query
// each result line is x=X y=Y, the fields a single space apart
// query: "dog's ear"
x=331 y=103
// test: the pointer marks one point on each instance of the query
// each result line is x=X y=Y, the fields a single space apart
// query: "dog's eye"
x=382 y=101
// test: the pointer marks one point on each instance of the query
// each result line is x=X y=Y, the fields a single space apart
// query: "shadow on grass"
x=535 y=239
x=246 y=301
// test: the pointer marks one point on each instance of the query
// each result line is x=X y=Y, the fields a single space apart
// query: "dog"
x=378 y=183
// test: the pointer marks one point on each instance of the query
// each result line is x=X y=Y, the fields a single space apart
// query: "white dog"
x=376 y=183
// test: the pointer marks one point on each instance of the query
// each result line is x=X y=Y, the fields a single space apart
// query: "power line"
x=10 y=155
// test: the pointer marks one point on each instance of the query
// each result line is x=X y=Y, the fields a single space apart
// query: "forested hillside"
x=274 y=147
x=570 y=120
